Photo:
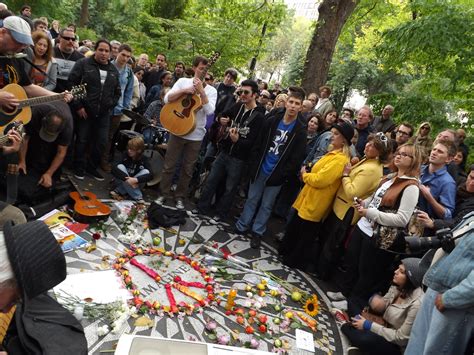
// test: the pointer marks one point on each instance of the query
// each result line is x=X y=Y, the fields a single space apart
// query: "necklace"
x=62 y=54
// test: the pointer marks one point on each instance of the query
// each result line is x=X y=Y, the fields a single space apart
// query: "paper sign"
x=304 y=340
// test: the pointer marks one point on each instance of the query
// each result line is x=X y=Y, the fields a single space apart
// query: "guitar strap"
x=38 y=68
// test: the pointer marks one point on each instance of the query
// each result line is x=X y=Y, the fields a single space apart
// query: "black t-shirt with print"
x=12 y=71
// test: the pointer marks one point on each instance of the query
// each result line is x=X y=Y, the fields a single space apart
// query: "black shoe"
x=95 y=174
x=79 y=174
x=256 y=241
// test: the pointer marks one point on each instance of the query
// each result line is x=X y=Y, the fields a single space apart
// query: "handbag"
x=389 y=238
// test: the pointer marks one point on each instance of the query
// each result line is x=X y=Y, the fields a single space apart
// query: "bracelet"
x=367 y=325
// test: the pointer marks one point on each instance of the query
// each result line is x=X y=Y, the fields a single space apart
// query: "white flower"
x=248 y=303
x=101 y=331
x=257 y=305
x=213 y=269
x=249 y=294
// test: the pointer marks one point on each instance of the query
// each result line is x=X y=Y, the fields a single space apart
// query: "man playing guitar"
x=189 y=145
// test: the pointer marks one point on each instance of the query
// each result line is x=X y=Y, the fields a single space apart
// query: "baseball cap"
x=50 y=128
x=19 y=29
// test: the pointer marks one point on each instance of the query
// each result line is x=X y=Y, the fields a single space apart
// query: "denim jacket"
x=453 y=274
x=126 y=86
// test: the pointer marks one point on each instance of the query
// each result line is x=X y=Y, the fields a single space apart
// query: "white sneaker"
x=335 y=296
x=179 y=204
x=340 y=305
x=160 y=200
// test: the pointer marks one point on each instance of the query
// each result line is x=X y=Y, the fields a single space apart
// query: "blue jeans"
x=224 y=167
x=434 y=332
x=124 y=188
x=258 y=192
x=91 y=134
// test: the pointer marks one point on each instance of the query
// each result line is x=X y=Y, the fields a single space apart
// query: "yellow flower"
x=311 y=307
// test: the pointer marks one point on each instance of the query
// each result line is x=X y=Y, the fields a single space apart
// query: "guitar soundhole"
x=7 y=109
x=185 y=102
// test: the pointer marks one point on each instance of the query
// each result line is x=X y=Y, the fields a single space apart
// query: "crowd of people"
x=349 y=184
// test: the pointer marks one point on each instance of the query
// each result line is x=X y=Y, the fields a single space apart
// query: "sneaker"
x=95 y=174
x=160 y=200
x=352 y=350
x=336 y=296
x=116 y=196
x=140 y=201
x=340 y=316
x=340 y=305
x=79 y=174
x=256 y=241
x=179 y=204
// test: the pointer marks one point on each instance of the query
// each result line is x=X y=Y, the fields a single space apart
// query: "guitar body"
x=87 y=208
x=22 y=114
x=178 y=116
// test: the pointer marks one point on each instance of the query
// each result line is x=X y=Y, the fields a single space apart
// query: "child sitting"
x=132 y=171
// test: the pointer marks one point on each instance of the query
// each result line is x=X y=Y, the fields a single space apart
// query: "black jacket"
x=100 y=99
x=464 y=205
x=133 y=168
x=253 y=120
x=293 y=150
x=41 y=326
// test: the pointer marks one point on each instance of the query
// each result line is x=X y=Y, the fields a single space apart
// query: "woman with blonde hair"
x=280 y=101
x=422 y=138
x=358 y=181
x=300 y=246
x=45 y=69
x=375 y=239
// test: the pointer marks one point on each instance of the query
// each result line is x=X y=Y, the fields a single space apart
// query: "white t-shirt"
x=198 y=133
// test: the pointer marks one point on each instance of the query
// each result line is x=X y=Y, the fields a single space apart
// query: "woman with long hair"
x=45 y=69
x=422 y=138
x=166 y=81
x=359 y=180
x=372 y=247
x=300 y=246
x=54 y=30
x=384 y=326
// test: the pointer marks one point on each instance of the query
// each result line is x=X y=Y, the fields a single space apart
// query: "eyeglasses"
x=383 y=138
x=404 y=155
x=68 y=38
x=403 y=133
x=207 y=79
x=425 y=127
x=245 y=92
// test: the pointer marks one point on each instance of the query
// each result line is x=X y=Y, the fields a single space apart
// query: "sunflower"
x=311 y=307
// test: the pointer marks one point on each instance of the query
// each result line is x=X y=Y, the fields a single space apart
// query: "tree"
x=333 y=14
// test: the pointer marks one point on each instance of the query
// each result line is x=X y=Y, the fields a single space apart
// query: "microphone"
x=14 y=55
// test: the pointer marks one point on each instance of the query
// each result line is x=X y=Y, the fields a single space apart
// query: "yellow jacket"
x=315 y=199
x=363 y=180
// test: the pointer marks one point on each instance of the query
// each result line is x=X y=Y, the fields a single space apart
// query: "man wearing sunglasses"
x=244 y=120
x=66 y=56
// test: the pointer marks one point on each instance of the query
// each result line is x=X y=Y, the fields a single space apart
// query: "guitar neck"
x=40 y=100
x=76 y=186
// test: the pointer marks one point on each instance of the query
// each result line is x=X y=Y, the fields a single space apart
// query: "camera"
x=443 y=239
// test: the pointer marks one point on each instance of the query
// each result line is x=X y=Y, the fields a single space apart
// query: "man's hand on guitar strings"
x=68 y=97
x=8 y=100
x=15 y=142
x=198 y=85
x=234 y=134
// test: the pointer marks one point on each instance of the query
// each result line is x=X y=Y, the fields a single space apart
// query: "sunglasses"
x=207 y=79
x=425 y=127
x=68 y=38
x=245 y=92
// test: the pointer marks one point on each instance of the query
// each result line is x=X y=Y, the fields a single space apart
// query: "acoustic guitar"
x=17 y=126
x=178 y=117
x=87 y=208
x=23 y=111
